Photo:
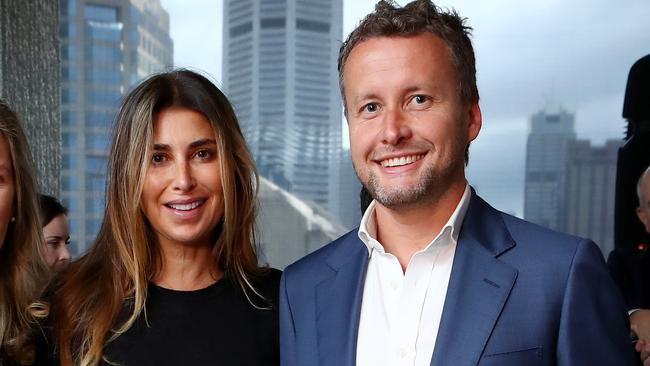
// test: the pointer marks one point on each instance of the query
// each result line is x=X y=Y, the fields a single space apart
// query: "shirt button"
x=393 y=285
x=403 y=353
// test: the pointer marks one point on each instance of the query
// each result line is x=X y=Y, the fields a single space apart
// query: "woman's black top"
x=216 y=325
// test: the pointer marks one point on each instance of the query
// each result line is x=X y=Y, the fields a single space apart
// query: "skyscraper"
x=106 y=47
x=546 y=157
x=29 y=79
x=279 y=70
x=349 y=204
x=591 y=192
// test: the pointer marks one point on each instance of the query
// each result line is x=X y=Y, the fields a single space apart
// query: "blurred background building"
x=570 y=184
x=29 y=79
x=106 y=47
x=590 y=192
x=551 y=131
x=288 y=227
x=279 y=70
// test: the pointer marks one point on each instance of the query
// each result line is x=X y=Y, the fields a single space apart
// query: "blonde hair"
x=100 y=295
x=22 y=270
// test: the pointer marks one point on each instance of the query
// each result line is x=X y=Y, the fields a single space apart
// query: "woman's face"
x=182 y=195
x=57 y=237
x=7 y=189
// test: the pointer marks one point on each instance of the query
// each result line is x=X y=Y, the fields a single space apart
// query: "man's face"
x=408 y=127
x=643 y=211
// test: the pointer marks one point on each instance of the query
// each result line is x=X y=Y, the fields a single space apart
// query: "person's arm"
x=593 y=325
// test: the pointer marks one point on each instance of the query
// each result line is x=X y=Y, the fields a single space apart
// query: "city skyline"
x=529 y=56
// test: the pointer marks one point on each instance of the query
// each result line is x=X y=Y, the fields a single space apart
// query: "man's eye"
x=370 y=107
x=419 y=99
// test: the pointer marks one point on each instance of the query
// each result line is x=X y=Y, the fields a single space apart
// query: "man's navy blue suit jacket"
x=519 y=294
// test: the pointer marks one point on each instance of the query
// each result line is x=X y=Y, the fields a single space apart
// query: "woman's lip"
x=184 y=201
x=188 y=208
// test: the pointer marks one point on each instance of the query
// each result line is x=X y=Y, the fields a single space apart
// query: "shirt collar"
x=368 y=227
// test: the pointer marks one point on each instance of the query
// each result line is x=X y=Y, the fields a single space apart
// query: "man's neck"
x=406 y=230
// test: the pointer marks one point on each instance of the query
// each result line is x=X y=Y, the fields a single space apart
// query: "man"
x=434 y=275
x=630 y=267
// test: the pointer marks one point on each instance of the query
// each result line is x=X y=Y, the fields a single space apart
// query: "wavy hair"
x=99 y=296
x=22 y=270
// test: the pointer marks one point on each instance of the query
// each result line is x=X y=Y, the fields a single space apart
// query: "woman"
x=22 y=271
x=172 y=277
x=55 y=231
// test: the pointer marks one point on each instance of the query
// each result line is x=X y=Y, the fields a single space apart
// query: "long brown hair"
x=22 y=270
x=99 y=296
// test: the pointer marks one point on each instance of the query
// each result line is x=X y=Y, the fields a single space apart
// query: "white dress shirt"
x=401 y=311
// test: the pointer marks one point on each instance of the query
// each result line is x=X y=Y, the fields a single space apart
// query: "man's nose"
x=396 y=127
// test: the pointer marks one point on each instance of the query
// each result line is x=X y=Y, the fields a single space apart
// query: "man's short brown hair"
x=417 y=17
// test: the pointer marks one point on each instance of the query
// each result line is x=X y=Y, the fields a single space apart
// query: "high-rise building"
x=349 y=213
x=546 y=160
x=591 y=192
x=29 y=79
x=106 y=47
x=279 y=70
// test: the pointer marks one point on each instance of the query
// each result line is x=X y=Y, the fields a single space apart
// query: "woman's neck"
x=186 y=267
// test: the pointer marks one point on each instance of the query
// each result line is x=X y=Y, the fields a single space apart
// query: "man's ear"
x=474 y=121
x=643 y=217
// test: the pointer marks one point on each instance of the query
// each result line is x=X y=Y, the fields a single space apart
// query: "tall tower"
x=279 y=70
x=106 y=47
x=29 y=79
x=591 y=192
x=546 y=159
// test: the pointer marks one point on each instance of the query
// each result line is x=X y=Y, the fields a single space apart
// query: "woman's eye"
x=157 y=158
x=203 y=154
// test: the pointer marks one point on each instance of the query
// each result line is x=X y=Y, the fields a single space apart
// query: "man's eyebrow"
x=365 y=97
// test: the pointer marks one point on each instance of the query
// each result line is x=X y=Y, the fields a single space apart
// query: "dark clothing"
x=216 y=325
x=630 y=267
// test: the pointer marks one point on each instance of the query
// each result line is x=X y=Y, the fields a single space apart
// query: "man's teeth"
x=404 y=160
x=186 y=206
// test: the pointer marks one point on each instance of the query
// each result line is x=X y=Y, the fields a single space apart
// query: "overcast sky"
x=530 y=54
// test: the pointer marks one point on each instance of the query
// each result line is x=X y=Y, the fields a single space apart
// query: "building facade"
x=551 y=131
x=349 y=213
x=29 y=79
x=591 y=192
x=107 y=46
x=279 y=70
x=288 y=228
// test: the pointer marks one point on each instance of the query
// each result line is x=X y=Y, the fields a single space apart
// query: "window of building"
x=70 y=161
x=96 y=164
x=94 y=205
x=95 y=183
x=68 y=118
x=101 y=13
x=69 y=183
x=96 y=141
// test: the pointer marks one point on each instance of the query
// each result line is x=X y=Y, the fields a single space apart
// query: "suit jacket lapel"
x=478 y=287
x=338 y=303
